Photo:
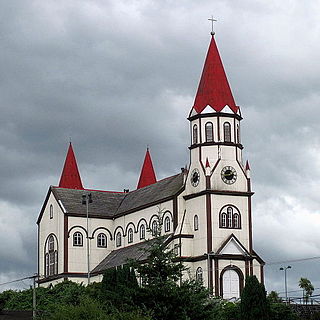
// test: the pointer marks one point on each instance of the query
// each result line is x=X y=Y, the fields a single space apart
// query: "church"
x=205 y=209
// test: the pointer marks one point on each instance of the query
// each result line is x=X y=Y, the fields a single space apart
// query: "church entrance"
x=231 y=284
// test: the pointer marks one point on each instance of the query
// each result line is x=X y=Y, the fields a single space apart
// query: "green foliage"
x=281 y=311
x=254 y=304
x=315 y=316
x=119 y=287
x=226 y=310
x=273 y=297
x=307 y=286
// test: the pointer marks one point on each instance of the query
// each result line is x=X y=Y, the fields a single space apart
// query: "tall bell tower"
x=218 y=186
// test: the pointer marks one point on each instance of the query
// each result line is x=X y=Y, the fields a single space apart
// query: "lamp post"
x=285 y=280
x=86 y=199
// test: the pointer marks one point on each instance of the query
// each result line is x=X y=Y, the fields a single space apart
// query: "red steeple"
x=70 y=177
x=147 y=175
x=214 y=89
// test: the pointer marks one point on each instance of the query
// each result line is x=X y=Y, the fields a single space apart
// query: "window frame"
x=130 y=235
x=227 y=131
x=51 y=211
x=195 y=134
x=102 y=240
x=209 y=131
x=154 y=228
x=195 y=222
x=118 y=239
x=142 y=232
x=199 y=275
x=167 y=224
x=77 y=239
x=230 y=217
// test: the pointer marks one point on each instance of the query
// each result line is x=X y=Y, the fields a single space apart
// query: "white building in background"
x=206 y=207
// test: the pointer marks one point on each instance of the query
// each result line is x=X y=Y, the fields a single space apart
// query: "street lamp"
x=86 y=199
x=285 y=279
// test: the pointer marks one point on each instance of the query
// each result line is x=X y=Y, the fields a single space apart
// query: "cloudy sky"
x=116 y=76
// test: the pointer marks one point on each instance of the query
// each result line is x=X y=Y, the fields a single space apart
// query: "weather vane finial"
x=212 y=21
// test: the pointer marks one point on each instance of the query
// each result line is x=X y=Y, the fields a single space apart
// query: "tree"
x=273 y=297
x=307 y=287
x=254 y=304
x=163 y=292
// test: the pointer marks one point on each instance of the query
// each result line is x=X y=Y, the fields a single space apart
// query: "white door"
x=231 y=287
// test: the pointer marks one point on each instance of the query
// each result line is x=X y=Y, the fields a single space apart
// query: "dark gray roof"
x=121 y=256
x=109 y=204
x=155 y=192
x=103 y=203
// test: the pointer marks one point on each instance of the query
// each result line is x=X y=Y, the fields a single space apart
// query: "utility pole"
x=34 y=297
x=285 y=280
x=86 y=199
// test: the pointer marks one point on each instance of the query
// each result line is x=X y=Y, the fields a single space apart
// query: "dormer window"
x=227 y=132
x=209 y=132
x=195 y=134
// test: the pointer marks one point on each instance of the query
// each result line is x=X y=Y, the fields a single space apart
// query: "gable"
x=232 y=246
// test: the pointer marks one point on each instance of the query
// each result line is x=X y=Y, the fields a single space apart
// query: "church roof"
x=147 y=175
x=214 y=89
x=70 y=177
x=120 y=256
x=108 y=204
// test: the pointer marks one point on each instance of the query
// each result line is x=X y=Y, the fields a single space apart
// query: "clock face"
x=229 y=175
x=195 y=177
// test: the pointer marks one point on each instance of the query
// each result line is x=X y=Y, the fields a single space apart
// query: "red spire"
x=147 y=175
x=214 y=89
x=207 y=163
x=70 y=177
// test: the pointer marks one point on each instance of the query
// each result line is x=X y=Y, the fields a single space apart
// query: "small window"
x=195 y=134
x=102 y=240
x=130 y=235
x=118 y=239
x=199 y=275
x=238 y=133
x=196 y=223
x=227 y=131
x=51 y=244
x=51 y=211
x=224 y=220
x=236 y=221
x=154 y=228
x=176 y=249
x=167 y=224
x=209 y=132
x=77 y=239
x=142 y=232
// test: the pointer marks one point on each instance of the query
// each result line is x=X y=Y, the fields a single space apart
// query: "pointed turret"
x=247 y=169
x=147 y=175
x=214 y=89
x=70 y=177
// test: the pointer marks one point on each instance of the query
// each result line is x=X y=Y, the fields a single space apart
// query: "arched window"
x=130 y=235
x=142 y=232
x=238 y=133
x=230 y=217
x=77 y=239
x=118 y=239
x=199 y=275
x=167 y=224
x=154 y=228
x=101 y=240
x=195 y=134
x=51 y=257
x=227 y=131
x=196 y=223
x=223 y=220
x=236 y=221
x=209 y=131
x=51 y=211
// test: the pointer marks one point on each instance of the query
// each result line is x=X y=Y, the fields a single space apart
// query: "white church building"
x=206 y=207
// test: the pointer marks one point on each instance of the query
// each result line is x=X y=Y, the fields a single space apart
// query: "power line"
x=16 y=280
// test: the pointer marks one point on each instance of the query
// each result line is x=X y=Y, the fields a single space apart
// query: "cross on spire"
x=212 y=21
